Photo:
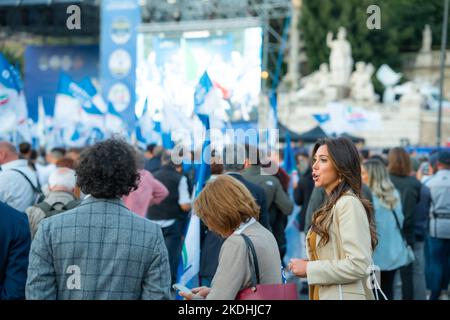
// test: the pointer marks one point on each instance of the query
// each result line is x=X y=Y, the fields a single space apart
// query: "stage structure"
x=238 y=43
x=185 y=15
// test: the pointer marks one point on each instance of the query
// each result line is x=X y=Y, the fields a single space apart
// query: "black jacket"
x=152 y=165
x=169 y=207
x=260 y=198
x=409 y=188
x=422 y=214
x=302 y=193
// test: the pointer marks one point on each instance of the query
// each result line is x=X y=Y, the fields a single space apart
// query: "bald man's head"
x=8 y=152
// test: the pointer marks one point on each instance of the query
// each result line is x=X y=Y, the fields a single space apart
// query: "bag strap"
x=253 y=263
x=72 y=204
x=36 y=189
x=44 y=206
x=47 y=208
x=398 y=225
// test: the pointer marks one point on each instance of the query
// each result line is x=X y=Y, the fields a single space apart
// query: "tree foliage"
x=402 y=22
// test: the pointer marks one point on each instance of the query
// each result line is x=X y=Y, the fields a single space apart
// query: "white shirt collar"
x=244 y=226
x=15 y=164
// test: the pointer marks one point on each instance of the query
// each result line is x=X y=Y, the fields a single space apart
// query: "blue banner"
x=119 y=22
x=43 y=67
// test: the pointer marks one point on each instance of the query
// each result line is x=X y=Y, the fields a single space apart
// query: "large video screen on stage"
x=171 y=64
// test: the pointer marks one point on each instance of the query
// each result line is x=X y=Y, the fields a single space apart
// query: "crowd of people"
x=109 y=221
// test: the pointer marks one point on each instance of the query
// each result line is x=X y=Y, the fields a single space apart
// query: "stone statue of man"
x=426 y=39
x=341 y=61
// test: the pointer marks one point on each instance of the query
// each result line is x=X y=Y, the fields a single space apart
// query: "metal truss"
x=189 y=10
x=47 y=18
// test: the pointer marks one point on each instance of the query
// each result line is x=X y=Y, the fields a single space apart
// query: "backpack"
x=36 y=189
x=57 y=207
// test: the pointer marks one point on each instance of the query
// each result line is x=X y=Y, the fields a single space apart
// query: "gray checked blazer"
x=99 y=250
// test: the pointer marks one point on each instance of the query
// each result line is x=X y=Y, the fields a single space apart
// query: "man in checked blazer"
x=100 y=250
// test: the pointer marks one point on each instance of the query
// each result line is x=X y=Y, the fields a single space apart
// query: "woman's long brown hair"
x=345 y=159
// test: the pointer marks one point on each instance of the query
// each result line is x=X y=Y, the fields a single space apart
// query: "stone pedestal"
x=334 y=93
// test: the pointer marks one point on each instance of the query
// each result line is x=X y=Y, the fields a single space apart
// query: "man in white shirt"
x=18 y=183
x=44 y=171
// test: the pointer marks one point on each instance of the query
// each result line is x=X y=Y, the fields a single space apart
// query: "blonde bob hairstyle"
x=224 y=204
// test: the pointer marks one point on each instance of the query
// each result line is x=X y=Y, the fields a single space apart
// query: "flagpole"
x=442 y=67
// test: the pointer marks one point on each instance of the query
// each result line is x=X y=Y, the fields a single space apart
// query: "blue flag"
x=189 y=266
x=289 y=162
x=205 y=168
x=139 y=136
x=202 y=89
x=166 y=137
x=13 y=107
x=8 y=75
x=321 y=117
x=112 y=110
x=83 y=91
x=86 y=96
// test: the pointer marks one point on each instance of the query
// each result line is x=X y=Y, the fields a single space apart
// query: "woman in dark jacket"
x=400 y=169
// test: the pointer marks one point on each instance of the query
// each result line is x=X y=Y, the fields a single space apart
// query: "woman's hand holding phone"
x=198 y=293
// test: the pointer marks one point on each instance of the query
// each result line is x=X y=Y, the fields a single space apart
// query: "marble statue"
x=426 y=39
x=425 y=57
x=412 y=97
x=313 y=85
x=389 y=78
x=341 y=61
x=361 y=87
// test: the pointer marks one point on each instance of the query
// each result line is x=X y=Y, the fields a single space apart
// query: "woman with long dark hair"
x=342 y=236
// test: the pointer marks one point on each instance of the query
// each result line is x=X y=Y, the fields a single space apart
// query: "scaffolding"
x=46 y=18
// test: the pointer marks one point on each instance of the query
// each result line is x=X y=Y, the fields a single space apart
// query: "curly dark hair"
x=108 y=169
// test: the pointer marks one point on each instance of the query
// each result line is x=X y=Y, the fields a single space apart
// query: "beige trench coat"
x=343 y=264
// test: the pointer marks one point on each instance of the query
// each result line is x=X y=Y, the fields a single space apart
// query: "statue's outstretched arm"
x=329 y=39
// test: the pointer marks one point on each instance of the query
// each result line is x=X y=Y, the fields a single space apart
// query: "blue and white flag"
x=91 y=101
x=147 y=124
x=190 y=264
x=68 y=109
x=76 y=136
x=207 y=101
x=166 y=138
x=114 y=123
x=13 y=108
x=203 y=88
x=140 y=139
x=8 y=76
x=79 y=103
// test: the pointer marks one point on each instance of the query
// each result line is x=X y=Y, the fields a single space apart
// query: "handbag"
x=410 y=256
x=257 y=291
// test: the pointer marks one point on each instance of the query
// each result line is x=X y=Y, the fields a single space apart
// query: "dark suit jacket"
x=260 y=198
x=15 y=242
x=152 y=165
x=211 y=242
x=409 y=188
x=302 y=193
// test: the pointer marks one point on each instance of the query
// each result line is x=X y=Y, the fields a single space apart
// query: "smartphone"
x=180 y=288
x=425 y=168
